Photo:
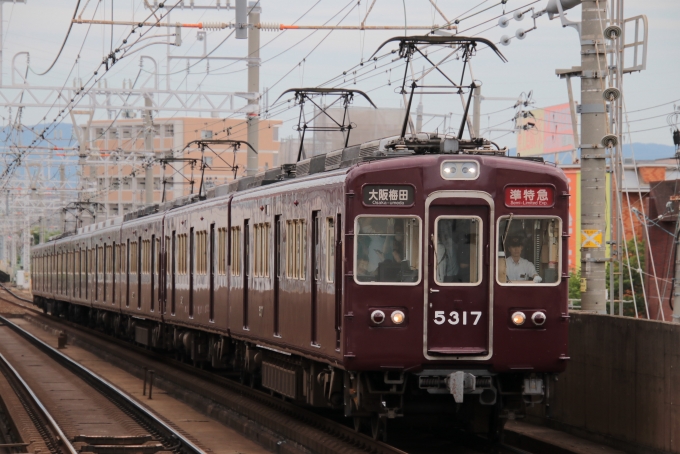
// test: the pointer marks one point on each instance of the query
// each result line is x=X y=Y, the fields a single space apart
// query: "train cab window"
x=458 y=252
x=529 y=250
x=387 y=250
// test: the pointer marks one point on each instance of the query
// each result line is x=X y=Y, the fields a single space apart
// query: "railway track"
x=152 y=434
x=290 y=423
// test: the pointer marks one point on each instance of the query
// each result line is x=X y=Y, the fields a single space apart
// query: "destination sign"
x=529 y=196
x=388 y=195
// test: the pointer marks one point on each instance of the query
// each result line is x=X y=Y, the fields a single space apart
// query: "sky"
x=297 y=58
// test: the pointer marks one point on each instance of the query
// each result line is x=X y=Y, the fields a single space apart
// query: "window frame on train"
x=558 y=237
x=480 y=251
x=419 y=253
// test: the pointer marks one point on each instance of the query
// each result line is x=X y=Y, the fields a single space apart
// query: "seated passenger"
x=516 y=267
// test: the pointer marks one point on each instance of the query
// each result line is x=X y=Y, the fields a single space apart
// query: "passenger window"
x=330 y=246
x=387 y=249
x=529 y=250
x=458 y=252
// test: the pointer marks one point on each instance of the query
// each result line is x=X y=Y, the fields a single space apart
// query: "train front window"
x=529 y=250
x=387 y=250
x=458 y=250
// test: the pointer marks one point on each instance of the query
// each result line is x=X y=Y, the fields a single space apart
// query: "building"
x=113 y=171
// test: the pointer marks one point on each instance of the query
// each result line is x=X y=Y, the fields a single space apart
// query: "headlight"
x=538 y=318
x=518 y=318
x=449 y=168
x=459 y=170
x=377 y=317
x=398 y=317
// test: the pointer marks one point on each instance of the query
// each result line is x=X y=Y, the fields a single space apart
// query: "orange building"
x=114 y=169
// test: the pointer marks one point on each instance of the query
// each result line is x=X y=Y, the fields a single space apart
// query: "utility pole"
x=593 y=156
x=253 y=85
x=148 y=148
x=26 y=253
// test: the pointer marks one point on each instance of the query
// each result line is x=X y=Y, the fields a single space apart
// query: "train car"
x=378 y=280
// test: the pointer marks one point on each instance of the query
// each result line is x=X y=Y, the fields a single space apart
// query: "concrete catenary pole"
x=149 y=133
x=253 y=86
x=26 y=252
x=593 y=163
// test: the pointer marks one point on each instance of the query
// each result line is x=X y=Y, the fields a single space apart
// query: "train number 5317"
x=455 y=317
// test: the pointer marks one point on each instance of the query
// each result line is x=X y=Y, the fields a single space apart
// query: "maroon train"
x=376 y=279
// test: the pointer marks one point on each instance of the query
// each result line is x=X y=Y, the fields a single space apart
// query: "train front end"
x=455 y=285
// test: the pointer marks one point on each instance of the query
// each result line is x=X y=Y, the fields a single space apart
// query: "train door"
x=316 y=275
x=246 y=271
x=458 y=302
x=277 y=270
x=152 y=272
x=211 y=257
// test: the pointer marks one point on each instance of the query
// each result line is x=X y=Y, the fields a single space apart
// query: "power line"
x=68 y=33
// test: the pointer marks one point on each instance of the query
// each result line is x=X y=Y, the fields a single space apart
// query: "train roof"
x=330 y=164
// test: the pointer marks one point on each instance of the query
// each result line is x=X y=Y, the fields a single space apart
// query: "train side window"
x=168 y=249
x=158 y=256
x=182 y=253
x=257 y=250
x=290 y=245
x=109 y=259
x=529 y=250
x=133 y=257
x=236 y=251
x=387 y=250
x=201 y=252
x=458 y=251
x=100 y=260
x=222 y=251
x=330 y=249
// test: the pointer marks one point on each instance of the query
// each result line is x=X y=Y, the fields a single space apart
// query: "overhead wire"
x=63 y=44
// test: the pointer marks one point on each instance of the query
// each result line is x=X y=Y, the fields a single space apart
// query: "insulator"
x=270 y=26
x=503 y=22
x=505 y=40
x=520 y=33
x=519 y=15
x=610 y=140
x=612 y=32
x=214 y=25
x=611 y=94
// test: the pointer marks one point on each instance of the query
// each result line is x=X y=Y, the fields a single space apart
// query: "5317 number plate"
x=455 y=317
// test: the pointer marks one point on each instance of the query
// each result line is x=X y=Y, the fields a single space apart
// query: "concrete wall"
x=622 y=384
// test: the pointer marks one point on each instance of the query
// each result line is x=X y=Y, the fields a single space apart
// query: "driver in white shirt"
x=516 y=267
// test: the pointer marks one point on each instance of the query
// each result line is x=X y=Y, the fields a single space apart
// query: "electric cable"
x=68 y=33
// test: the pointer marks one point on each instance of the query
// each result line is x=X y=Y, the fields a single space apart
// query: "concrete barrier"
x=622 y=384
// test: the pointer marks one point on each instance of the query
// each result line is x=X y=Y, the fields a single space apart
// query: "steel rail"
x=187 y=445
x=61 y=437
